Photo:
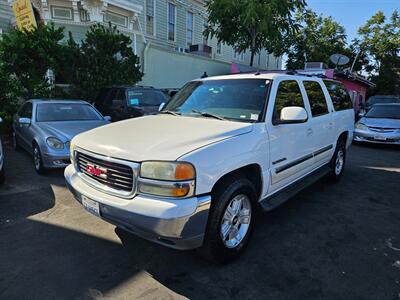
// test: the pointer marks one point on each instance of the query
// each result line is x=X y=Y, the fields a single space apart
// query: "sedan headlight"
x=55 y=143
x=361 y=126
x=167 y=179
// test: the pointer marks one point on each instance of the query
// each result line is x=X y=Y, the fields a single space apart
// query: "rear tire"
x=338 y=161
x=15 y=144
x=231 y=220
x=2 y=175
x=37 y=159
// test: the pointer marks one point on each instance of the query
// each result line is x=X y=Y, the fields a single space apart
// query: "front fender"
x=214 y=161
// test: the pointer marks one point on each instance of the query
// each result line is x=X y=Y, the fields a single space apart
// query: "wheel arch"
x=252 y=172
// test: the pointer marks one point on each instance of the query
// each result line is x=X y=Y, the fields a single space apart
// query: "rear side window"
x=26 y=111
x=339 y=95
x=316 y=97
x=288 y=94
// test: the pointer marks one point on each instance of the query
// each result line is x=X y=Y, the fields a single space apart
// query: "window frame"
x=309 y=102
x=53 y=16
x=117 y=15
x=188 y=12
x=275 y=122
x=169 y=23
x=153 y=18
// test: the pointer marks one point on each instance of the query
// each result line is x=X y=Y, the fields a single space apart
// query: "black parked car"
x=124 y=102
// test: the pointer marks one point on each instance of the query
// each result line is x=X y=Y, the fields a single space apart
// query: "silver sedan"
x=45 y=128
x=381 y=124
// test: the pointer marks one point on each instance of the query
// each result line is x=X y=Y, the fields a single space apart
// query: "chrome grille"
x=116 y=178
x=381 y=129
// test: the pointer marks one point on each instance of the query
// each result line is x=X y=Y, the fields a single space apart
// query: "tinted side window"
x=110 y=97
x=316 y=98
x=26 y=111
x=339 y=95
x=288 y=94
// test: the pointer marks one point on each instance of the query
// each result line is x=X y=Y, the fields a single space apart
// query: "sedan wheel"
x=37 y=160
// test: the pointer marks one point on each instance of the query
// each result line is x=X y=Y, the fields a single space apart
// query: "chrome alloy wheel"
x=339 y=163
x=36 y=158
x=236 y=221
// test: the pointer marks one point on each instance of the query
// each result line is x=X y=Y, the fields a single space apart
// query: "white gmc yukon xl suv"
x=195 y=175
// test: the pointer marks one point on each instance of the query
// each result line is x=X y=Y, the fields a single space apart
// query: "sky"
x=353 y=13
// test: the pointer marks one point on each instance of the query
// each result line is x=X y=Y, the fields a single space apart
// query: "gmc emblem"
x=96 y=171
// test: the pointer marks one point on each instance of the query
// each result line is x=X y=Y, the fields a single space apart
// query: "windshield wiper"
x=170 y=112
x=208 y=115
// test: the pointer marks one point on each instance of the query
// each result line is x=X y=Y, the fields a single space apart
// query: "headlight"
x=171 y=171
x=71 y=151
x=361 y=126
x=55 y=143
x=167 y=179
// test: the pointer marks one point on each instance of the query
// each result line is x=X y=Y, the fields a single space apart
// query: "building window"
x=205 y=38
x=150 y=17
x=62 y=13
x=116 y=19
x=189 y=28
x=171 y=21
x=219 y=48
x=84 y=15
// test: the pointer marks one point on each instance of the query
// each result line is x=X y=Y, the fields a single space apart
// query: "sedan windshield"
x=384 y=112
x=385 y=99
x=232 y=99
x=50 y=112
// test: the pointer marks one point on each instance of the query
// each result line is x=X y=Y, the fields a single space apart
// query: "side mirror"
x=107 y=118
x=117 y=103
x=161 y=106
x=292 y=114
x=361 y=114
x=24 y=121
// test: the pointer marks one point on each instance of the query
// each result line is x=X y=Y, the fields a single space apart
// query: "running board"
x=280 y=197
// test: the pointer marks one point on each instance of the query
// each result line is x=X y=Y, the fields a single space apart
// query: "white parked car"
x=195 y=175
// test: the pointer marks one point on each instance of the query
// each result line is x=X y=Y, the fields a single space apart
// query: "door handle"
x=310 y=131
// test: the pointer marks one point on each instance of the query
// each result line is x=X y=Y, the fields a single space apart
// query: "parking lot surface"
x=339 y=241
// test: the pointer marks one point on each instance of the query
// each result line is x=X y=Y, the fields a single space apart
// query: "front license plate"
x=91 y=206
x=379 y=138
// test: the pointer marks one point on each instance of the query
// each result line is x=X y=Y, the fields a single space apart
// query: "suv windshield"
x=50 y=112
x=232 y=99
x=138 y=97
x=384 y=112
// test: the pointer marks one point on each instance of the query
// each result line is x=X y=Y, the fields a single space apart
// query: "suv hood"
x=159 y=137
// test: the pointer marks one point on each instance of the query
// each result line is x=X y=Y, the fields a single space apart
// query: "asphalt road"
x=337 y=241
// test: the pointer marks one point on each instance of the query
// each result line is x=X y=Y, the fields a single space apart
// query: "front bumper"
x=56 y=159
x=376 y=137
x=176 y=223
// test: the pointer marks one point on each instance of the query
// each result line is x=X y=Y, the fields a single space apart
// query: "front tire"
x=338 y=161
x=231 y=220
x=37 y=159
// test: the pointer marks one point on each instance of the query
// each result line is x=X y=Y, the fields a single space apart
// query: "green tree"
x=26 y=56
x=379 y=39
x=105 y=57
x=317 y=40
x=254 y=25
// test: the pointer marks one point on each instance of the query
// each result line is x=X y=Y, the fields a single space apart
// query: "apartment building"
x=167 y=35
